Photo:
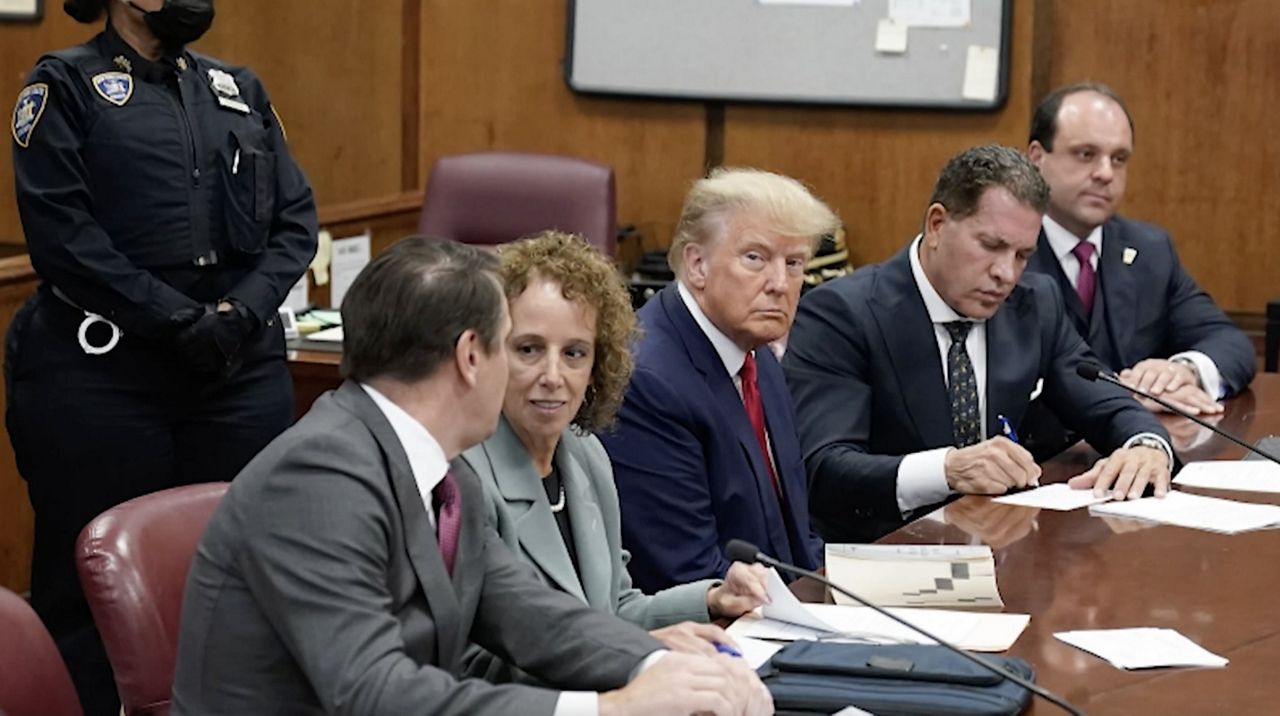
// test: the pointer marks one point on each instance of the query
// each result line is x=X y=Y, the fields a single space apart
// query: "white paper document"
x=755 y=651
x=961 y=576
x=1058 y=496
x=785 y=607
x=969 y=630
x=1249 y=475
x=1195 y=511
x=930 y=13
x=981 y=74
x=297 y=299
x=328 y=335
x=1142 y=648
x=350 y=256
x=891 y=37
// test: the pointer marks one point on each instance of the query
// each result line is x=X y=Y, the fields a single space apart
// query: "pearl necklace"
x=559 y=505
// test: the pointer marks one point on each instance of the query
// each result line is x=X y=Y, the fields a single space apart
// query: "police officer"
x=167 y=221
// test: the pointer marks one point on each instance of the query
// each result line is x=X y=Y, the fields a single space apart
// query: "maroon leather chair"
x=33 y=679
x=491 y=198
x=133 y=561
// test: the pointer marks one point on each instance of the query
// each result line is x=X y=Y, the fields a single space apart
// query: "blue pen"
x=1006 y=429
x=726 y=649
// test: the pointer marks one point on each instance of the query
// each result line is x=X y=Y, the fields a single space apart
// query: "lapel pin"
x=1130 y=254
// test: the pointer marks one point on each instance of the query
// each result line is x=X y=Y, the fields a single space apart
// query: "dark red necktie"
x=1085 y=283
x=755 y=413
x=448 y=518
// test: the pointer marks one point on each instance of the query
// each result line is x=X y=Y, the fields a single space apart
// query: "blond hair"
x=779 y=203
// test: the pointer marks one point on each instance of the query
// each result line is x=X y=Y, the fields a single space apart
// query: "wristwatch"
x=1153 y=443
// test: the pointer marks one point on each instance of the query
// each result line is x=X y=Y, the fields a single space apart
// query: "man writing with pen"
x=910 y=376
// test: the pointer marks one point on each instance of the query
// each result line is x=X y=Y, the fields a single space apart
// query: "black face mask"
x=178 y=22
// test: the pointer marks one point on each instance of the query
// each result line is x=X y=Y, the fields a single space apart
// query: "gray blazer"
x=318 y=587
x=517 y=508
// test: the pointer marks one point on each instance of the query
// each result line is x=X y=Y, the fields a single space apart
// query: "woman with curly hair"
x=548 y=482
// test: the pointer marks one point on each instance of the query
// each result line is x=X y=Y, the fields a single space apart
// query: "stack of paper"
x=915 y=575
x=1143 y=648
x=787 y=619
x=1195 y=511
x=1251 y=475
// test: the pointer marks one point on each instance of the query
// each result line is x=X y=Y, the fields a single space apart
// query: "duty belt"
x=91 y=318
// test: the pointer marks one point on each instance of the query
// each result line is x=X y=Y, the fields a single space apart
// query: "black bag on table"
x=814 y=677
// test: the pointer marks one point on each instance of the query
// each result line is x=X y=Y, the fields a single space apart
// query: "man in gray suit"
x=347 y=568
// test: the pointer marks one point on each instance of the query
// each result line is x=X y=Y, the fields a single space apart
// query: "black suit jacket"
x=1150 y=307
x=864 y=370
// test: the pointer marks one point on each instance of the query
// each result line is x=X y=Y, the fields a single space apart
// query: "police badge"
x=114 y=87
x=228 y=93
x=26 y=113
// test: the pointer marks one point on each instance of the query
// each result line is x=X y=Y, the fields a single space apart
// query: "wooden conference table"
x=1069 y=570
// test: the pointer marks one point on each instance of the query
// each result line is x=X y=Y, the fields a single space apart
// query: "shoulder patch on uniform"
x=31 y=102
x=114 y=87
x=279 y=123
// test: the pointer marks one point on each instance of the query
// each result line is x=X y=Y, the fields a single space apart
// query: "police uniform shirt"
x=150 y=187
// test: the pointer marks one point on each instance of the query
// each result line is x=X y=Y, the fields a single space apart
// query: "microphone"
x=742 y=551
x=1092 y=372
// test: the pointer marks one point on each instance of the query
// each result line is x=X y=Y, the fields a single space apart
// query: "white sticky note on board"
x=891 y=37
x=930 y=13
x=826 y=3
x=350 y=256
x=981 y=74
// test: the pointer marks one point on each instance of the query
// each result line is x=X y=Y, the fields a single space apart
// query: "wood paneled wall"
x=371 y=96
x=1200 y=80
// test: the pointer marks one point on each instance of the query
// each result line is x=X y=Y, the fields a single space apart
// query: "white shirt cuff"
x=922 y=479
x=1168 y=451
x=587 y=703
x=577 y=703
x=1206 y=371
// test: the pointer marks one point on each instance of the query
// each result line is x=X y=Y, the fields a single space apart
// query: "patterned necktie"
x=966 y=427
x=755 y=413
x=1087 y=279
x=448 y=518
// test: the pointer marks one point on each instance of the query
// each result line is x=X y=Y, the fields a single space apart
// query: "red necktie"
x=448 y=518
x=755 y=413
x=1087 y=278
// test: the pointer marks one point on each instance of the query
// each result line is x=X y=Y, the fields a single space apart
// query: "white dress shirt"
x=1063 y=241
x=428 y=464
x=730 y=354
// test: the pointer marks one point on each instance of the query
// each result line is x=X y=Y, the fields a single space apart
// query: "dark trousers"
x=90 y=432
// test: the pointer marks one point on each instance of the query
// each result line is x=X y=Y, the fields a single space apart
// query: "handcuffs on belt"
x=91 y=318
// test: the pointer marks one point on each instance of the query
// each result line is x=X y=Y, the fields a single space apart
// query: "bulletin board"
x=842 y=52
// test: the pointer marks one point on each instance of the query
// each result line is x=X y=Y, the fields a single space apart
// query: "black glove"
x=211 y=344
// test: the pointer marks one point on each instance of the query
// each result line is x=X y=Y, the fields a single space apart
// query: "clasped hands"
x=1175 y=382
x=997 y=465
x=210 y=336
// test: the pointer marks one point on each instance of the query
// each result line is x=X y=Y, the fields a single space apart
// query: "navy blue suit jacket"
x=864 y=370
x=690 y=474
x=1151 y=307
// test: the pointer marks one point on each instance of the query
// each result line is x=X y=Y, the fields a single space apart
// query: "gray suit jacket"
x=319 y=588
x=517 y=508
